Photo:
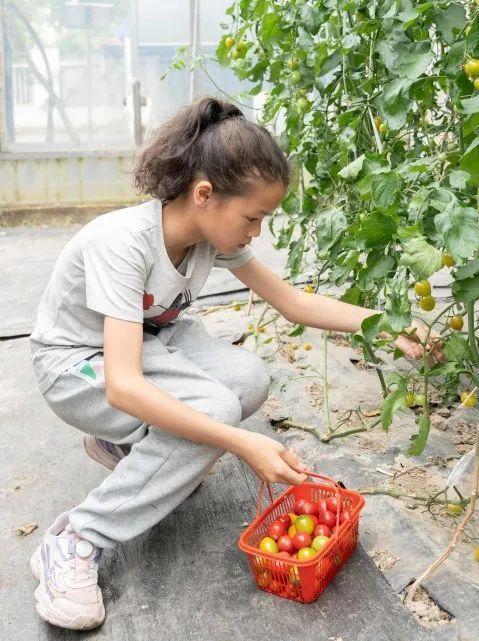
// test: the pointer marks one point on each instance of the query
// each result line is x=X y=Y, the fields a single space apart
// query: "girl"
x=159 y=399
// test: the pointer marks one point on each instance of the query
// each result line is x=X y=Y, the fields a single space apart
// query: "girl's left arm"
x=322 y=312
x=313 y=310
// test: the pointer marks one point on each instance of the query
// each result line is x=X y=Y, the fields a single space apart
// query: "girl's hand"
x=412 y=348
x=268 y=459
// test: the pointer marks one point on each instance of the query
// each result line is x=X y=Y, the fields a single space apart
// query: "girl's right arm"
x=129 y=391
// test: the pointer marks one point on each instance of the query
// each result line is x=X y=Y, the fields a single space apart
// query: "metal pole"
x=194 y=38
x=89 y=80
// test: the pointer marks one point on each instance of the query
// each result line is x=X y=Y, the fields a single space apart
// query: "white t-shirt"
x=116 y=265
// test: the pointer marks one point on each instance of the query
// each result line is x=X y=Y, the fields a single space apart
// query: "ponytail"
x=209 y=138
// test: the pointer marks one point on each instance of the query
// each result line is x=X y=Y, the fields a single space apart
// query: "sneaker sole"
x=98 y=454
x=43 y=605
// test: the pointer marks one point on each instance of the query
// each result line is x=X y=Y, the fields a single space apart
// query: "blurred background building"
x=82 y=87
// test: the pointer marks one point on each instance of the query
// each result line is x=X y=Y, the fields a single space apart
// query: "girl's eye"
x=251 y=220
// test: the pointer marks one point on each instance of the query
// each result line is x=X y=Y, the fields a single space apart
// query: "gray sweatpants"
x=225 y=381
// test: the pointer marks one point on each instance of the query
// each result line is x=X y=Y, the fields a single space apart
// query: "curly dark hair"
x=212 y=139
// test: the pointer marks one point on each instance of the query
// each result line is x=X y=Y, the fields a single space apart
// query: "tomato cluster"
x=300 y=534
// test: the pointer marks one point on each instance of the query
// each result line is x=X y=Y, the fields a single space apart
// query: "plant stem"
x=372 y=357
x=471 y=330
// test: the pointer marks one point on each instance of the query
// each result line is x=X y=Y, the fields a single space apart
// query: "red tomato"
x=302 y=540
x=321 y=506
x=315 y=519
x=276 y=529
x=284 y=518
x=309 y=508
x=285 y=552
x=344 y=516
x=285 y=544
x=327 y=518
x=298 y=506
x=322 y=530
x=333 y=504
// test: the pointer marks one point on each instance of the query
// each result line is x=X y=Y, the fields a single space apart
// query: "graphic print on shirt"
x=168 y=315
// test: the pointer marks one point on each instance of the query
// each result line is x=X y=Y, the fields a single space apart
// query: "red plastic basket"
x=301 y=580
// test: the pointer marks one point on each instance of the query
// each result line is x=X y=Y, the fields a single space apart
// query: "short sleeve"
x=115 y=275
x=237 y=259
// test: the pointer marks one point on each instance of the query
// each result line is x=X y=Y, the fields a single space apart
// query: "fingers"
x=290 y=457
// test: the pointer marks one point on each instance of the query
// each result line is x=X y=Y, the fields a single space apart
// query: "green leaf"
x=351 y=171
x=297 y=330
x=459 y=228
x=466 y=289
x=458 y=178
x=351 y=295
x=311 y=18
x=397 y=306
x=466 y=271
x=422 y=258
x=329 y=226
x=468 y=105
x=371 y=326
x=395 y=401
x=419 y=440
x=394 y=102
x=295 y=256
x=377 y=230
x=415 y=59
x=456 y=348
x=385 y=188
x=450 y=20
x=269 y=28
x=470 y=162
x=377 y=267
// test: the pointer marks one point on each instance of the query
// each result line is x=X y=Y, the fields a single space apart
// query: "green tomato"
x=304 y=523
x=319 y=542
x=420 y=399
x=296 y=77
x=269 y=545
x=305 y=554
x=422 y=288
x=304 y=105
x=409 y=399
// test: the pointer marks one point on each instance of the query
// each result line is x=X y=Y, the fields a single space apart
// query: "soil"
x=464 y=436
x=425 y=610
x=383 y=558
x=315 y=393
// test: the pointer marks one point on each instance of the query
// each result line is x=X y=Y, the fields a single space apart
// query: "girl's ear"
x=202 y=193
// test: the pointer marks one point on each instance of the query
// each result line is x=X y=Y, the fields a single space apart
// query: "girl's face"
x=230 y=223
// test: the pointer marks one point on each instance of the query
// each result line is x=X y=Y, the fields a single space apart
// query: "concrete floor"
x=164 y=585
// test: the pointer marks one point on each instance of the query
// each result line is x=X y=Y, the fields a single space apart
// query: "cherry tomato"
x=315 y=519
x=285 y=544
x=448 y=260
x=306 y=554
x=422 y=288
x=322 y=530
x=309 y=508
x=456 y=323
x=319 y=542
x=304 y=523
x=302 y=540
x=468 y=399
x=298 y=506
x=293 y=517
x=344 y=516
x=269 y=545
x=321 y=506
x=328 y=518
x=333 y=505
x=292 y=531
x=427 y=303
x=410 y=399
x=276 y=529
x=285 y=518
x=471 y=67
x=285 y=553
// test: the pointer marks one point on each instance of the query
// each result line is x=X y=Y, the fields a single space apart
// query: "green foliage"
x=383 y=124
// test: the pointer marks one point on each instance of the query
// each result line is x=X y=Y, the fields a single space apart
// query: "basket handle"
x=310 y=473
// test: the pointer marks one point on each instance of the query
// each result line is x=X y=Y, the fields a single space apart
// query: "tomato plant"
x=377 y=105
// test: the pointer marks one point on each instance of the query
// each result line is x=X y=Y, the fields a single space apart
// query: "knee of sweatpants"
x=223 y=405
x=255 y=385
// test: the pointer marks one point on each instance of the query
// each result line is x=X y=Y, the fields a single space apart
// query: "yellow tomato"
x=229 y=42
x=456 y=323
x=309 y=289
x=422 y=288
x=472 y=67
x=427 y=303
x=307 y=346
x=448 y=260
x=468 y=399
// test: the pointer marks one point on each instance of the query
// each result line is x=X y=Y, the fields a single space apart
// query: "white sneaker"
x=66 y=567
